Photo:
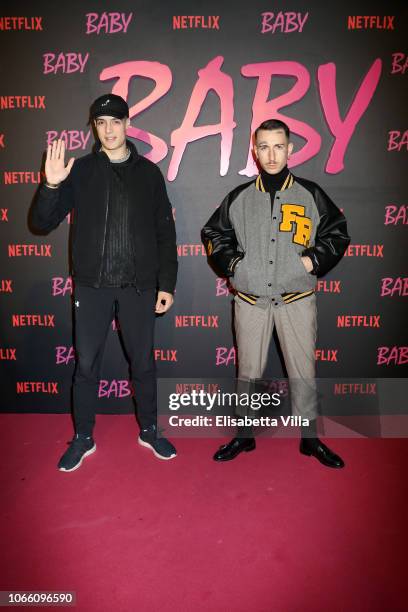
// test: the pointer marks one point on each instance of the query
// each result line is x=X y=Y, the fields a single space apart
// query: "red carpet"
x=271 y=531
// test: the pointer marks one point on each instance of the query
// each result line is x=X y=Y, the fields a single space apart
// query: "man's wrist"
x=308 y=263
x=315 y=262
x=51 y=185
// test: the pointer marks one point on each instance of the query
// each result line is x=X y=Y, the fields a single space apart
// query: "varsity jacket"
x=259 y=243
x=86 y=192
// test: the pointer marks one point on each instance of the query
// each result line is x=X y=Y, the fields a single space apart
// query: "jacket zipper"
x=104 y=234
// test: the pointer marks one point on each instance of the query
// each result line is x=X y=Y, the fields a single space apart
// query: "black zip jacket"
x=86 y=192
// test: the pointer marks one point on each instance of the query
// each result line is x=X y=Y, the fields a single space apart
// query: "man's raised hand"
x=55 y=169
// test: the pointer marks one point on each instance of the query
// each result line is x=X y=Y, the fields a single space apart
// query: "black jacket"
x=86 y=192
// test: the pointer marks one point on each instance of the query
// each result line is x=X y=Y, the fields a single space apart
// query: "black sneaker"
x=80 y=447
x=161 y=447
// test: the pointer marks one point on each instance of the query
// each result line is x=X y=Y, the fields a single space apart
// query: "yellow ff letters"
x=293 y=215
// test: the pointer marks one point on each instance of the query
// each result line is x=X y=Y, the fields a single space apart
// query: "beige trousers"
x=296 y=326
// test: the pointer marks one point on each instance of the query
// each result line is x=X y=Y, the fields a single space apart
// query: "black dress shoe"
x=316 y=448
x=232 y=449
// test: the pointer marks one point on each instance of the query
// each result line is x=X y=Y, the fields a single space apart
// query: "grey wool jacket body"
x=259 y=243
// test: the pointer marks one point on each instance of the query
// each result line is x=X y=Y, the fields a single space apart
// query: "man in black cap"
x=124 y=261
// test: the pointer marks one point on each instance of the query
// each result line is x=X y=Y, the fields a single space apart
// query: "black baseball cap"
x=109 y=105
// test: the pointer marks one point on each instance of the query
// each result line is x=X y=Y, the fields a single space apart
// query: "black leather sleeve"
x=332 y=238
x=219 y=238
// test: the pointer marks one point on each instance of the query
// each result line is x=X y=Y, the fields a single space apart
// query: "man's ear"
x=127 y=122
x=256 y=151
x=290 y=149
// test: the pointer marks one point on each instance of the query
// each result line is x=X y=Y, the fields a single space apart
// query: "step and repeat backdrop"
x=199 y=77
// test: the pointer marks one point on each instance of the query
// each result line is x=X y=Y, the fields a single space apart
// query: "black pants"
x=94 y=310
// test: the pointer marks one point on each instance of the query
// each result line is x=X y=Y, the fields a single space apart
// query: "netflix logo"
x=165 y=354
x=8 y=354
x=355 y=389
x=12 y=102
x=358 y=321
x=37 y=387
x=21 y=23
x=193 y=250
x=370 y=22
x=195 y=22
x=6 y=285
x=32 y=320
x=29 y=250
x=325 y=286
x=196 y=320
x=190 y=387
x=22 y=178
x=364 y=250
x=326 y=354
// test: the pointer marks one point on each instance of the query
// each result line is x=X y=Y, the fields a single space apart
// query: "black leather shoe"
x=317 y=449
x=232 y=449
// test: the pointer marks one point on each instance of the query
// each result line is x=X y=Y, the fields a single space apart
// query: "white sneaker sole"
x=156 y=454
x=91 y=450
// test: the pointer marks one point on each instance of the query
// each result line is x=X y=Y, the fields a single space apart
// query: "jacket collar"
x=102 y=155
x=287 y=184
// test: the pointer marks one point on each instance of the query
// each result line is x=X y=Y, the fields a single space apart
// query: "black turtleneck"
x=274 y=182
